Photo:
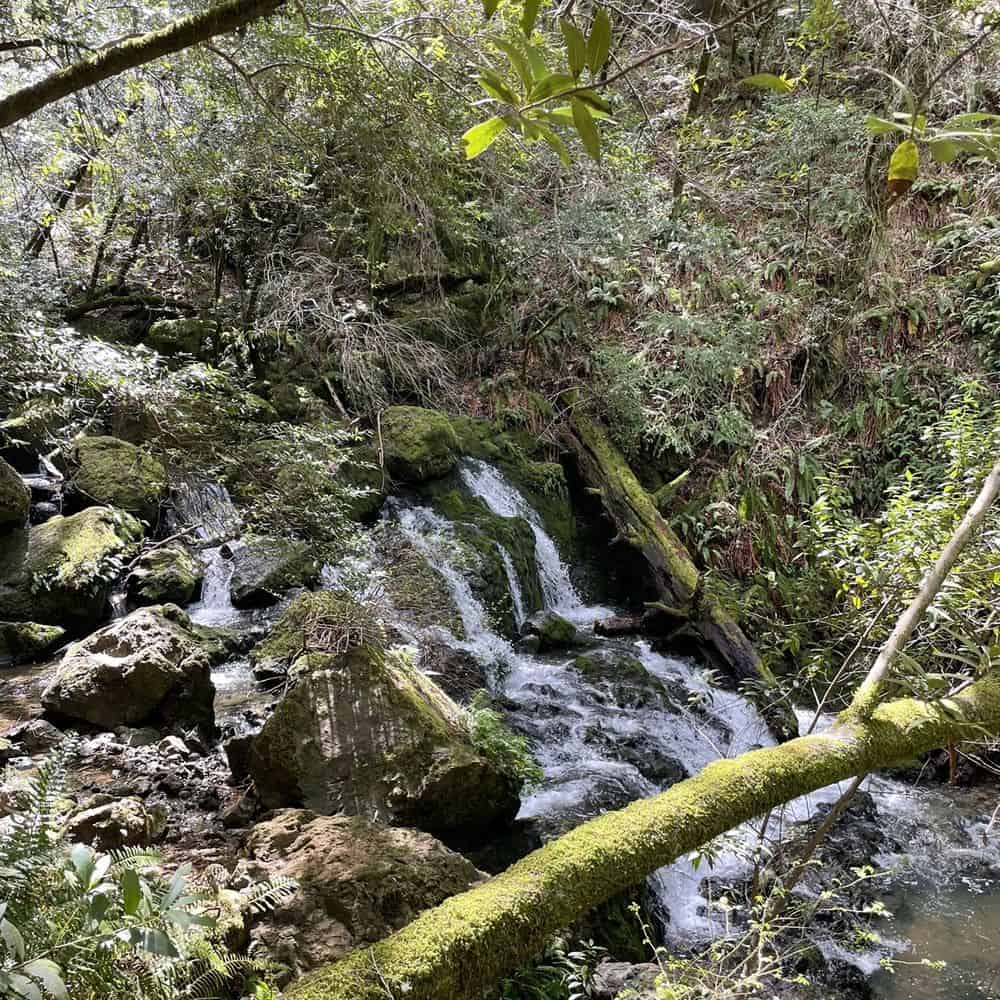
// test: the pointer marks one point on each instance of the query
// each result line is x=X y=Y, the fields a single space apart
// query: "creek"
x=604 y=740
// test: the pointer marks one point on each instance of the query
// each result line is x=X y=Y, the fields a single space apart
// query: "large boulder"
x=363 y=732
x=112 y=472
x=357 y=882
x=419 y=444
x=22 y=642
x=110 y=824
x=150 y=667
x=181 y=336
x=15 y=499
x=170 y=574
x=61 y=572
x=266 y=568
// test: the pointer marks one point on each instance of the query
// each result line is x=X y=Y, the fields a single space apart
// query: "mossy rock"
x=39 y=422
x=109 y=471
x=626 y=681
x=23 y=642
x=61 y=572
x=169 y=574
x=419 y=444
x=360 y=472
x=147 y=668
x=555 y=633
x=481 y=533
x=418 y=592
x=297 y=405
x=265 y=568
x=181 y=336
x=15 y=499
x=363 y=732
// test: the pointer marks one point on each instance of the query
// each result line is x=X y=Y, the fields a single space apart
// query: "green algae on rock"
x=22 y=642
x=169 y=574
x=109 y=471
x=419 y=444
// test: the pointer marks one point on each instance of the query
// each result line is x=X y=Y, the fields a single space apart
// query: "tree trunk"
x=176 y=36
x=470 y=941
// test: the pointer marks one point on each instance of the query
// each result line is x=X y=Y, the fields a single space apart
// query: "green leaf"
x=497 y=87
x=519 y=61
x=25 y=987
x=554 y=83
x=594 y=101
x=12 y=939
x=971 y=118
x=150 y=940
x=557 y=144
x=768 y=81
x=599 y=43
x=586 y=129
x=915 y=122
x=536 y=61
x=905 y=162
x=943 y=150
x=490 y=8
x=576 y=47
x=49 y=975
x=131 y=891
x=82 y=858
x=480 y=137
x=529 y=15
x=879 y=126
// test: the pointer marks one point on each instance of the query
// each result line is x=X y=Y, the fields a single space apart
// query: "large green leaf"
x=490 y=8
x=594 y=101
x=587 y=130
x=576 y=47
x=943 y=150
x=599 y=43
x=537 y=61
x=131 y=892
x=497 y=87
x=768 y=81
x=903 y=167
x=529 y=15
x=556 y=143
x=49 y=975
x=879 y=126
x=554 y=83
x=480 y=137
x=518 y=60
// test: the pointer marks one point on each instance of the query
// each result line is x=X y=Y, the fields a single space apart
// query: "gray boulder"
x=110 y=824
x=149 y=667
x=266 y=568
x=358 y=882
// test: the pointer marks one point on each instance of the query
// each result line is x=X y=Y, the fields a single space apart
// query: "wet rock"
x=364 y=732
x=15 y=499
x=457 y=672
x=266 y=568
x=61 y=572
x=147 y=667
x=626 y=681
x=358 y=882
x=169 y=574
x=23 y=642
x=419 y=444
x=110 y=824
x=638 y=982
x=110 y=472
x=555 y=633
x=237 y=750
x=181 y=336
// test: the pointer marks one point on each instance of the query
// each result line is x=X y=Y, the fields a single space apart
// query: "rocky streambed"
x=253 y=711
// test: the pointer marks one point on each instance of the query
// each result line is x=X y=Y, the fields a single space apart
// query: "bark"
x=466 y=944
x=675 y=576
x=176 y=36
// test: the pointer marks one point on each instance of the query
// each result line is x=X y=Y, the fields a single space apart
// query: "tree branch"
x=176 y=36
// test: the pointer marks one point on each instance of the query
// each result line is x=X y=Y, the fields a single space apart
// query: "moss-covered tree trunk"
x=675 y=576
x=469 y=942
x=176 y=36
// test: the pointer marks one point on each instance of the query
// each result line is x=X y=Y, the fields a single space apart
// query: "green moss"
x=419 y=444
x=418 y=592
x=168 y=574
x=470 y=941
x=15 y=499
x=112 y=472
x=22 y=642
x=181 y=336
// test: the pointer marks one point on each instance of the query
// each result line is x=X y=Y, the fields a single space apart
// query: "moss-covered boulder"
x=149 y=668
x=419 y=444
x=23 y=642
x=555 y=632
x=181 y=336
x=357 y=882
x=265 y=568
x=361 y=731
x=15 y=499
x=61 y=572
x=499 y=555
x=170 y=574
x=109 y=471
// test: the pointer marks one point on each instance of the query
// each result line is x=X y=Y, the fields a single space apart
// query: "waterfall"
x=489 y=484
x=515 y=586
x=215 y=606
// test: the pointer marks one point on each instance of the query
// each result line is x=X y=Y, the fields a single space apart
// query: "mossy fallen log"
x=677 y=580
x=464 y=946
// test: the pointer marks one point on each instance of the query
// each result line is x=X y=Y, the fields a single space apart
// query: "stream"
x=603 y=743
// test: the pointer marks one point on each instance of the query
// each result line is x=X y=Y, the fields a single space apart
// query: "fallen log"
x=468 y=943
